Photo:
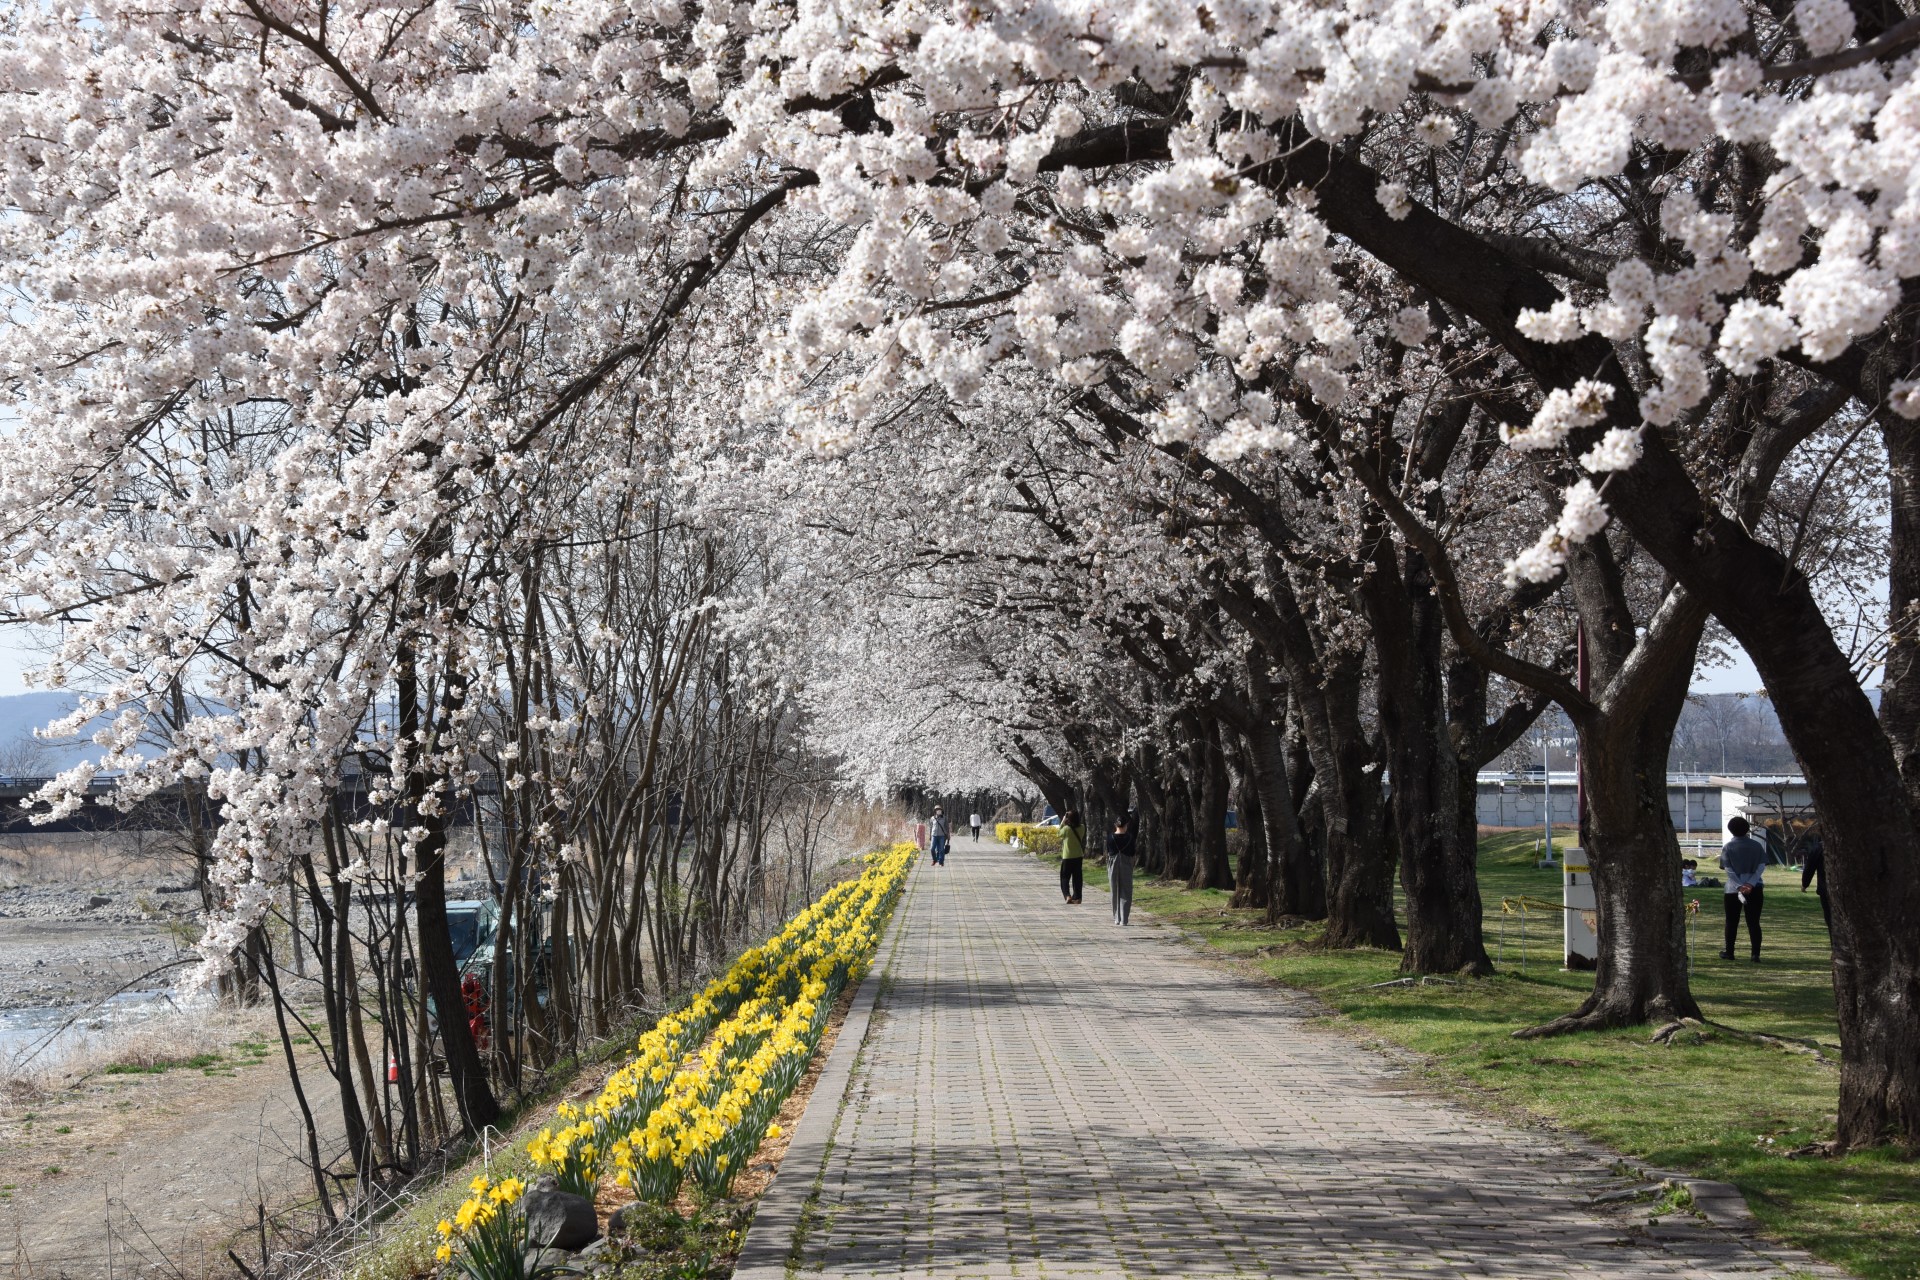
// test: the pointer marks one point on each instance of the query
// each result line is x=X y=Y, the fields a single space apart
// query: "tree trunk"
x=1627 y=832
x=439 y=972
x=1298 y=886
x=1050 y=784
x=1155 y=816
x=1325 y=683
x=1183 y=804
x=1640 y=916
x=1438 y=859
x=1253 y=876
x=1212 y=866
x=1360 y=853
x=1303 y=879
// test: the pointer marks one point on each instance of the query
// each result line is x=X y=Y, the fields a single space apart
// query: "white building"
x=1774 y=800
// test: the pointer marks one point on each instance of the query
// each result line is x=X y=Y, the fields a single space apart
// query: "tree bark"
x=1627 y=832
x=1302 y=879
x=439 y=972
x=1212 y=866
x=1438 y=855
x=1326 y=683
x=1253 y=874
x=1640 y=909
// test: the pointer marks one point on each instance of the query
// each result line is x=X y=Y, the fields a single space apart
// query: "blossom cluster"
x=308 y=307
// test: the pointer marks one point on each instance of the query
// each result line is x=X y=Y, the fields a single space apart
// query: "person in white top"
x=974 y=822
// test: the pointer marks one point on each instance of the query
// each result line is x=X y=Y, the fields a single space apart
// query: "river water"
x=47 y=1038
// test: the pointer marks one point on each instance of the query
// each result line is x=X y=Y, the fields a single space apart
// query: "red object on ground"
x=475 y=998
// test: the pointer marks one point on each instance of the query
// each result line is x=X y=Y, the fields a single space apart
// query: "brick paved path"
x=1043 y=1094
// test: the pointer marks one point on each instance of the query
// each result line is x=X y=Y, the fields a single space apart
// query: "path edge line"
x=782 y=1206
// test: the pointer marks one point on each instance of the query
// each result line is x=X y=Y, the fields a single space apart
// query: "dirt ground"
x=151 y=1174
x=107 y=1170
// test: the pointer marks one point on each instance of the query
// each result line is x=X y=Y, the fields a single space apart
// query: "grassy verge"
x=1721 y=1106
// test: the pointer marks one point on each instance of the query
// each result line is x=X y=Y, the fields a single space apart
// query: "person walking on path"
x=1813 y=872
x=939 y=837
x=974 y=822
x=1120 y=869
x=1073 y=856
x=1745 y=860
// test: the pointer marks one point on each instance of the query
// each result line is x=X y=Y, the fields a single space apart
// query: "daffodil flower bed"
x=490 y=1230
x=1030 y=834
x=701 y=1092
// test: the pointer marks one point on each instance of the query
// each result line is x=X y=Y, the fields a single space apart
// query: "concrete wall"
x=1517 y=803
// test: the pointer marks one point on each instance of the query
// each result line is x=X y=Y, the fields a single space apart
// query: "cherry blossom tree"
x=306 y=300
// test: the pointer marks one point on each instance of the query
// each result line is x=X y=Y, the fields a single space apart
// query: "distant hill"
x=20 y=752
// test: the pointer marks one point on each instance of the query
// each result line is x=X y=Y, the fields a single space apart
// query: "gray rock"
x=98 y=900
x=559 y=1219
x=547 y=1261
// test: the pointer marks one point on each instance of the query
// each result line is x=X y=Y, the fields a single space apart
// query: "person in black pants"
x=1813 y=872
x=1746 y=862
x=1073 y=856
x=1120 y=851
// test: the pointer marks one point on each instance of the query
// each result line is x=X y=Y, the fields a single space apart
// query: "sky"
x=1739 y=677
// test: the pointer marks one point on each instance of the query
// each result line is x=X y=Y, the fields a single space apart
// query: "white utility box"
x=1580 y=911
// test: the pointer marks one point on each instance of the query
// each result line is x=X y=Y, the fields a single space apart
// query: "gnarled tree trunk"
x=1627 y=832
x=1438 y=855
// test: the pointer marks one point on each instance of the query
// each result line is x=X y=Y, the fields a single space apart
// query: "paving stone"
x=1042 y=1094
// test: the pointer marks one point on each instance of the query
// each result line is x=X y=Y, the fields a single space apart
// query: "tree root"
x=1416 y=980
x=1567 y=1024
x=1793 y=1044
x=1601 y=1017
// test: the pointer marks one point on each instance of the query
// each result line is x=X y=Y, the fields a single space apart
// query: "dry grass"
x=208 y=1040
x=76 y=857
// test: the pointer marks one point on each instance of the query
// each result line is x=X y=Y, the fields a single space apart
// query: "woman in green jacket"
x=1073 y=855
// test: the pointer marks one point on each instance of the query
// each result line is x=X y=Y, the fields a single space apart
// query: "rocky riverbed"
x=71 y=944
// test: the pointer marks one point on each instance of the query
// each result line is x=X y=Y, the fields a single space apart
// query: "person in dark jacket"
x=1746 y=862
x=1813 y=873
x=1120 y=869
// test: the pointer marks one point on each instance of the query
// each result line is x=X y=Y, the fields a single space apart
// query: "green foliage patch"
x=160 y=1066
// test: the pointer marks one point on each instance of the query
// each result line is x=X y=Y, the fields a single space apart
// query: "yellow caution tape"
x=1524 y=903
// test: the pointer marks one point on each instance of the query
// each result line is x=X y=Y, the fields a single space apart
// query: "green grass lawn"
x=1717 y=1105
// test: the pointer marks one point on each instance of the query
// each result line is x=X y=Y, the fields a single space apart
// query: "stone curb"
x=1718 y=1202
x=763 y=1255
